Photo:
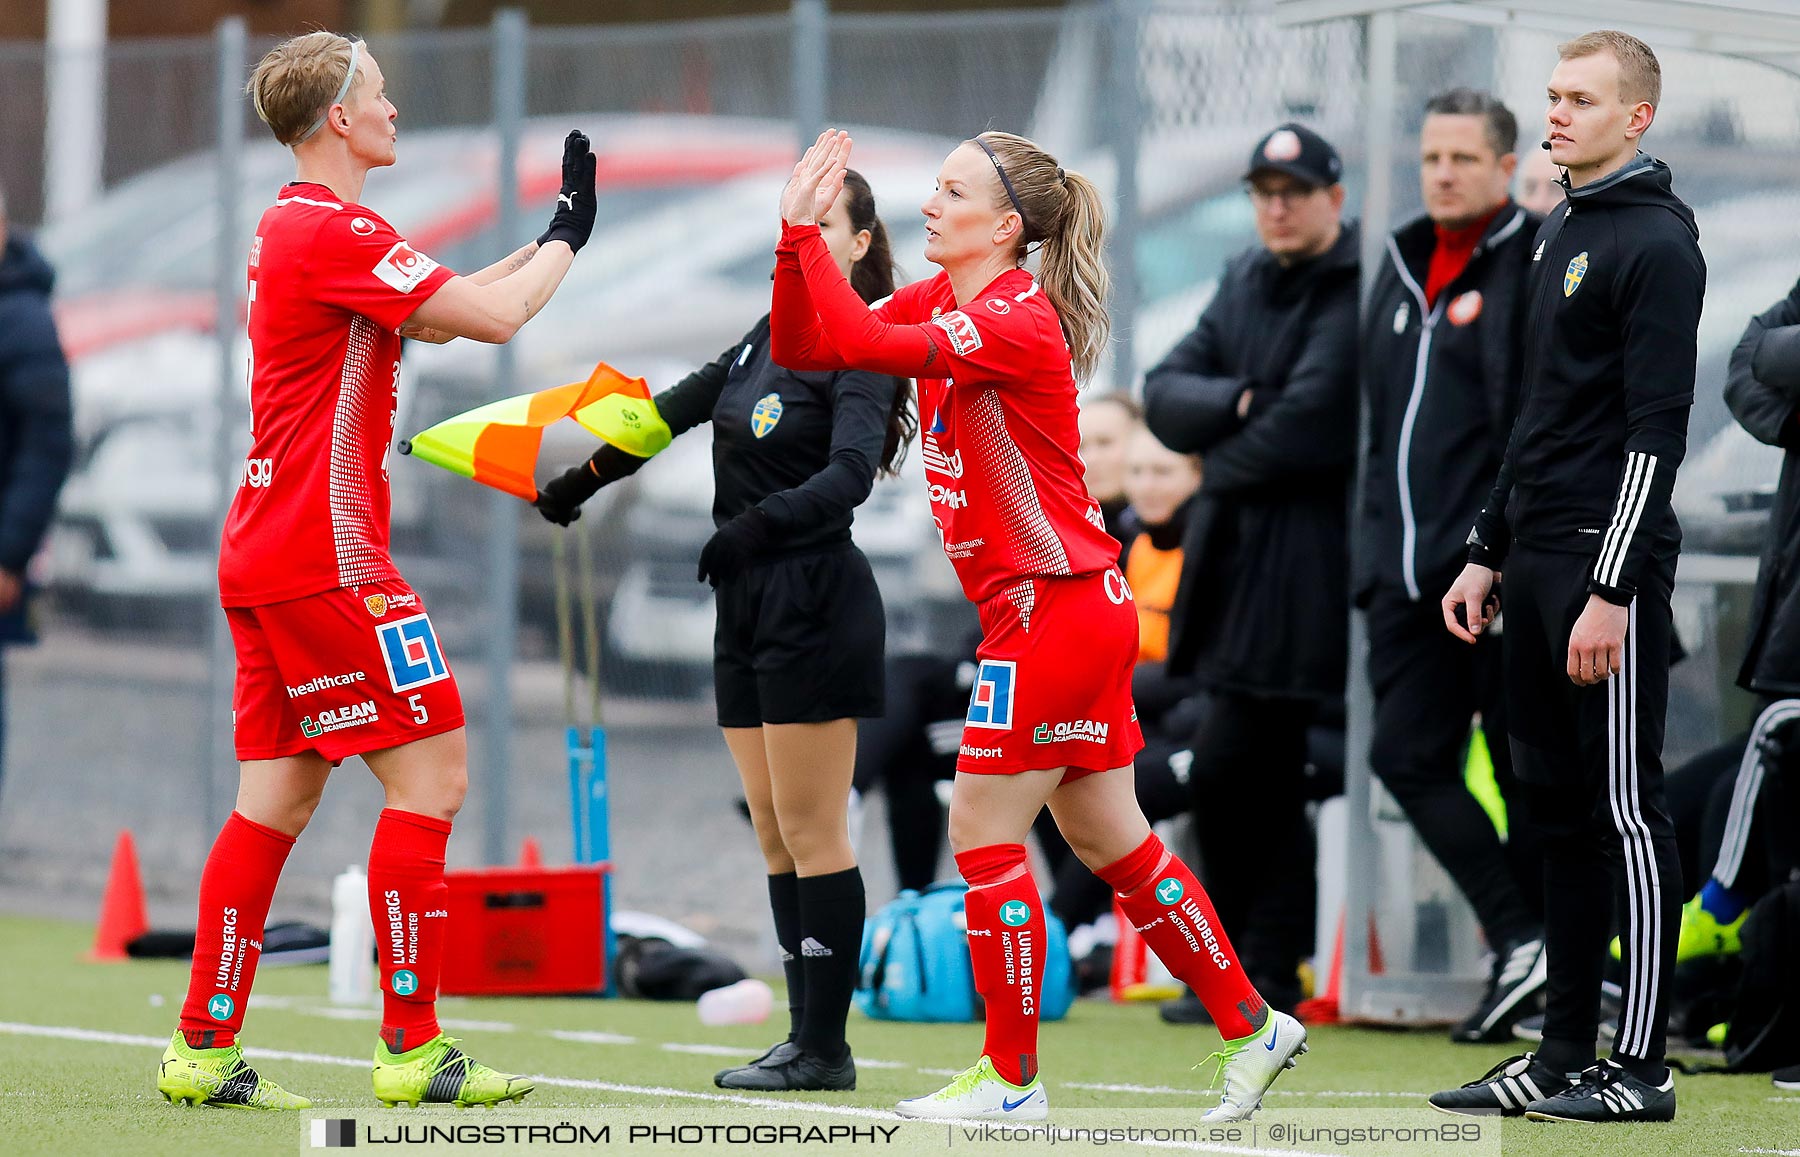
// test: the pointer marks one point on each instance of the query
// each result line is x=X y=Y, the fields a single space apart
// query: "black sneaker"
x=802 y=1071
x=1788 y=1078
x=1184 y=1009
x=775 y=1054
x=1505 y=1089
x=1520 y=969
x=1607 y=1092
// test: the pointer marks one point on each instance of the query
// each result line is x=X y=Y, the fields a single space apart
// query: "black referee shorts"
x=800 y=639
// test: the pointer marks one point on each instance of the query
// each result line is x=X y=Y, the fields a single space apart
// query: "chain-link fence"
x=696 y=125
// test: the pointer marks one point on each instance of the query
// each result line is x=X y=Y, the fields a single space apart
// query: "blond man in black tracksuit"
x=1581 y=523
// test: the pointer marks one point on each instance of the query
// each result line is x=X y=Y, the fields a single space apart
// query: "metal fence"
x=696 y=124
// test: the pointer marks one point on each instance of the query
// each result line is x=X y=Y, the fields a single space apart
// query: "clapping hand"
x=818 y=179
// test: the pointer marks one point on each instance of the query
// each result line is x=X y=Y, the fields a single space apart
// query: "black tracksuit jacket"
x=1613 y=307
x=1442 y=383
x=1763 y=390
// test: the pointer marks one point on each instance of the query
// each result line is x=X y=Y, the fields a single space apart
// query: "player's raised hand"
x=573 y=221
x=817 y=179
x=1469 y=605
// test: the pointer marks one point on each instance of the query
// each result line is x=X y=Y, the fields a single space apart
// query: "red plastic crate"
x=526 y=931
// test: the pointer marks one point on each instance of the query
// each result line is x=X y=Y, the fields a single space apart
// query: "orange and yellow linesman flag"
x=497 y=444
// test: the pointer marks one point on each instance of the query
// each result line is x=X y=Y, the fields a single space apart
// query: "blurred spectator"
x=1540 y=181
x=1106 y=424
x=1264 y=389
x=36 y=440
x=1762 y=388
x=1440 y=368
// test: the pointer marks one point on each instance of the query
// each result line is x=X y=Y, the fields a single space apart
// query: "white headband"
x=343 y=91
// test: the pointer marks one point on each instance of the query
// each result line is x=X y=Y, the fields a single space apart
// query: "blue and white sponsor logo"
x=405 y=982
x=409 y=648
x=991 y=702
x=220 y=1007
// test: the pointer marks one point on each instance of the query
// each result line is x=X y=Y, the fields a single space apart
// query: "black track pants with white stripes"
x=1590 y=761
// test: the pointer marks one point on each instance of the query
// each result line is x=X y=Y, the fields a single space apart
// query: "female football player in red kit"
x=996 y=352
x=336 y=655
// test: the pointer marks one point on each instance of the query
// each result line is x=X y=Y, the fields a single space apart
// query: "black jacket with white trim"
x=1614 y=298
x=1762 y=388
x=1263 y=605
x=1442 y=383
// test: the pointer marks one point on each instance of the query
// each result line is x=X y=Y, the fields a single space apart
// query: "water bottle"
x=352 y=939
x=746 y=1002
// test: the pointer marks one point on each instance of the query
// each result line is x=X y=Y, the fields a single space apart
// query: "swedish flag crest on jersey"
x=765 y=415
x=1578 y=267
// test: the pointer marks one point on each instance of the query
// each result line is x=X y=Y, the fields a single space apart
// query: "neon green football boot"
x=191 y=1076
x=1702 y=934
x=438 y=1073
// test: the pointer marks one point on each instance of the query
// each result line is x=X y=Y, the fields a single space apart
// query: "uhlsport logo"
x=328 y=1134
x=405 y=982
x=220 y=1007
x=1014 y=913
x=765 y=415
x=991 y=701
x=1578 y=267
x=410 y=649
x=1170 y=890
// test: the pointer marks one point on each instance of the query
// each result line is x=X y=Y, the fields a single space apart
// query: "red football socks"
x=236 y=887
x=1171 y=911
x=408 y=898
x=1006 y=946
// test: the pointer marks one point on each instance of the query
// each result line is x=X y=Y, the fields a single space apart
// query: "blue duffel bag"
x=915 y=961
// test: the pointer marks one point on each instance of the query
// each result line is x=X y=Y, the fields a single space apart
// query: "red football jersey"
x=330 y=283
x=1000 y=442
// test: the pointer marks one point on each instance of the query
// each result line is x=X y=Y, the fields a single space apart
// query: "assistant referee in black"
x=798 y=649
x=1580 y=519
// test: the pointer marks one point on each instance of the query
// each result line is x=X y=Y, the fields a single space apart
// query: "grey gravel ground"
x=106 y=733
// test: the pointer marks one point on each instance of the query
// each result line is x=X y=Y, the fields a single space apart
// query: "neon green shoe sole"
x=438 y=1073
x=219 y=1078
x=1702 y=935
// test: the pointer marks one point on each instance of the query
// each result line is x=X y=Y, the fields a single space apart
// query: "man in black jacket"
x=1264 y=389
x=35 y=436
x=1580 y=518
x=1762 y=388
x=1440 y=370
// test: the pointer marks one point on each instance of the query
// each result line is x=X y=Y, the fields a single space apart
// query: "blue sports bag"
x=915 y=961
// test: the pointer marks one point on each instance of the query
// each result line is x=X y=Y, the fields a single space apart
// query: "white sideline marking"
x=1777 y=1152
x=96 y=1036
x=592 y=1038
x=703 y=1050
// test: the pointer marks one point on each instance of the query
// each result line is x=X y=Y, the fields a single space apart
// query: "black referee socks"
x=784 y=902
x=831 y=924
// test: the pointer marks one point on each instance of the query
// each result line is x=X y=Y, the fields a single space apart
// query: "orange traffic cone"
x=122 y=917
x=1325 y=1008
x=530 y=855
x=1129 y=966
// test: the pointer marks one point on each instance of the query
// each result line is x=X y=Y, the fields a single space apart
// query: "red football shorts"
x=1053 y=679
x=341 y=673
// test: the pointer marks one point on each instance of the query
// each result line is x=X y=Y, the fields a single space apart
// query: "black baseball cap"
x=1299 y=152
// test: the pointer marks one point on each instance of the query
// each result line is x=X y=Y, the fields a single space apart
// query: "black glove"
x=732 y=546
x=561 y=498
x=575 y=206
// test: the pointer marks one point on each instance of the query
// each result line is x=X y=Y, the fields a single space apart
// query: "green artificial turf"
x=643 y=1062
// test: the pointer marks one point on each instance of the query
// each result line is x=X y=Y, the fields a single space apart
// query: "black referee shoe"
x=773 y=1055
x=803 y=1071
x=1607 y=1092
x=1506 y=1089
x=1787 y=1078
x=1520 y=969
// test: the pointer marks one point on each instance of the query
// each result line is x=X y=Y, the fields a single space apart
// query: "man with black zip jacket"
x=1581 y=521
x=1440 y=368
x=1264 y=389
